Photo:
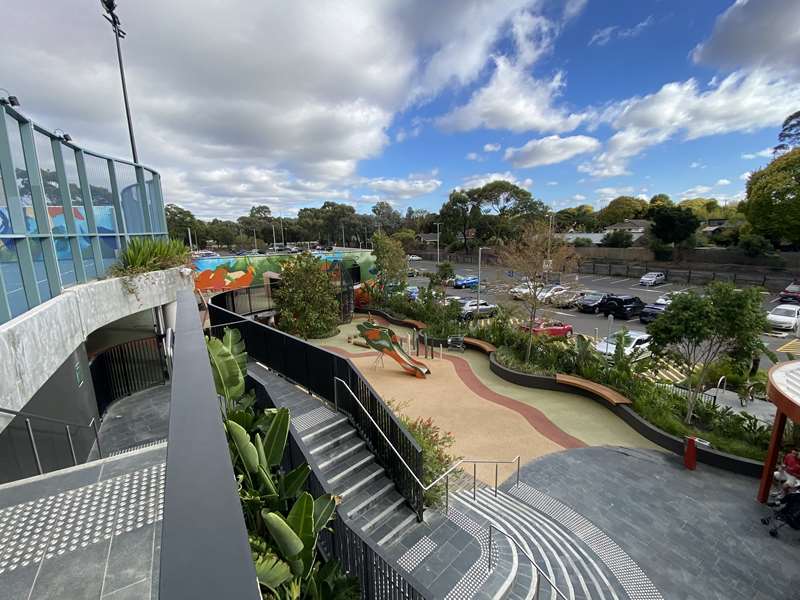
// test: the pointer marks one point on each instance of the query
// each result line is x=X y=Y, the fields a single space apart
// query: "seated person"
x=788 y=474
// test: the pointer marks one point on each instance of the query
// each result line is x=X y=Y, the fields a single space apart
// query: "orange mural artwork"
x=220 y=279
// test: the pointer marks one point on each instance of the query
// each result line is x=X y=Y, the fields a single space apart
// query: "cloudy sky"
x=293 y=103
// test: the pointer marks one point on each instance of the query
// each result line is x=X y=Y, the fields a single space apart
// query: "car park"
x=549 y=327
x=636 y=343
x=622 y=307
x=791 y=293
x=591 y=301
x=414 y=257
x=567 y=298
x=653 y=278
x=465 y=282
x=651 y=312
x=472 y=309
x=784 y=316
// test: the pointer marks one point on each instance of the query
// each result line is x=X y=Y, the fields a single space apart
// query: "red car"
x=791 y=293
x=551 y=328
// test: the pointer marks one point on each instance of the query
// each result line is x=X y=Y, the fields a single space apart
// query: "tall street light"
x=255 y=241
x=437 y=242
x=481 y=248
x=110 y=6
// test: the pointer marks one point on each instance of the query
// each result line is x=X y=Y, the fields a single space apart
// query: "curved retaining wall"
x=715 y=458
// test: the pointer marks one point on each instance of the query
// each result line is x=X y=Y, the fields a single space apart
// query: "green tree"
x=406 y=237
x=697 y=330
x=460 y=213
x=390 y=261
x=753 y=244
x=673 y=225
x=621 y=209
x=577 y=218
x=386 y=217
x=619 y=238
x=306 y=299
x=179 y=221
x=789 y=137
x=660 y=200
x=773 y=199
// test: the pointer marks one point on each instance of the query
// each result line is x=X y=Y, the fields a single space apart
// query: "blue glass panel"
x=40 y=269
x=66 y=265
x=152 y=201
x=87 y=256
x=102 y=198
x=75 y=192
x=108 y=248
x=21 y=172
x=130 y=196
x=52 y=191
x=12 y=276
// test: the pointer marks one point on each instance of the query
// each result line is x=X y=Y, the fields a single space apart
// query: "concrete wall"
x=37 y=343
x=68 y=395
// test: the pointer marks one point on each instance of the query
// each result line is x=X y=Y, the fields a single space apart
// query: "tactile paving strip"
x=50 y=526
x=477 y=574
x=416 y=554
x=312 y=418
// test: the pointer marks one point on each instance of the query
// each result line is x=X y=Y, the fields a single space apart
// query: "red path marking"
x=537 y=419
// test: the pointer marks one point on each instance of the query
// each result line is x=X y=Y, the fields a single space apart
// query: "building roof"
x=427 y=237
x=630 y=224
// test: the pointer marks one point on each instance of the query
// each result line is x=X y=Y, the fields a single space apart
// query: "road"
x=496 y=283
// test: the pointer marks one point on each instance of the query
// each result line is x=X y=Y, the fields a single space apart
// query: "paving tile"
x=17 y=583
x=130 y=559
x=135 y=591
x=76 y=574
x=48 y=485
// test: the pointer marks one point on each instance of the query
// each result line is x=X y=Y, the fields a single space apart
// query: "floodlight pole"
x=437 y=242
x=255 y=241
x=480 y=248
x=112 y=18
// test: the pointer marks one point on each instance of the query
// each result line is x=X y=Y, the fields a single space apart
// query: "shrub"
x=582 y=242
x=617 y=239
x=307 y=298
x=753 y=244
x=142 y=255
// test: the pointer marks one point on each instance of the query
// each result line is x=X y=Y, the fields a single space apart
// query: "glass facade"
x=65 y=212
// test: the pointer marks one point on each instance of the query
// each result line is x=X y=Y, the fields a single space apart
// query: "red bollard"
x=690 y=453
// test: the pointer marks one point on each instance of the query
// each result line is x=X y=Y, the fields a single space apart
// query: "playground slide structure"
x=385 y=341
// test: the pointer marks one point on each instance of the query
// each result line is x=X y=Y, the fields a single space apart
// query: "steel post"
x=33 y=445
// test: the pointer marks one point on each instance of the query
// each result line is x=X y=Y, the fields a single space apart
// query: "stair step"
x=391 y=530
x=348 y=465
x=368 y=496
x=340 y=452
x=378 y=513
x=357 y=482
x=323 y=428
x=332 y=438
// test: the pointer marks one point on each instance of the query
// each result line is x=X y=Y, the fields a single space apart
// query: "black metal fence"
x=342 y=542
x=127 y=368
x=315 y=369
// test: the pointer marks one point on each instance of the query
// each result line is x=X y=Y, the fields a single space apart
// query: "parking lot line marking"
x=563 y=314
x=619 y=281
x=775 y=300
x=645 y=289
x=683 y=290
x=601 y=278
x=632 y=320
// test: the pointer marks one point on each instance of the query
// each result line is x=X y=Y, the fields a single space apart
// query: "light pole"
x=283 y=240
x=437 y=242
x=255 y=241
x=273 y=236
x=480 y=248
x=344 y=245
x=110 y=6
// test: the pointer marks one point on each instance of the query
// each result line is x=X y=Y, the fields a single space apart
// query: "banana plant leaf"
x=323 y=511
x=247 y=451
x=228 y=378
x=271 y=571
x=301 y=520
x=275 y=440
x=232 y=340
x=294 y=480
x=288 y=542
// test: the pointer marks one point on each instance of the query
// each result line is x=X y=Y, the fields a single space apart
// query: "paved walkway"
x=136 y=420
x=489 y=417
x=91 y=531
x=696 y=534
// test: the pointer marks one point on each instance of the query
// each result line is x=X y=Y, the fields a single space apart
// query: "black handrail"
x=204 y=548
x=316 y=369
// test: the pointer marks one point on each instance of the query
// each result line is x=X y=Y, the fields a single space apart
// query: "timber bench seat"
x=611 y=396
x=485 y=347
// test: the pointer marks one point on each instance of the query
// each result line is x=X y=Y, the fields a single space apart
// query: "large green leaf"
x=275 y=441
x=288 y=542
x=266 y=480
x=294 y=480
x=228 y=378
x=232 y=340
x=271 y=571
x=301 y=520
x=244 y=446
x=262 y=459
x=323 y=511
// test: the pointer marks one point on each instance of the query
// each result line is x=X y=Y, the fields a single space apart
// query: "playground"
x=490 y=418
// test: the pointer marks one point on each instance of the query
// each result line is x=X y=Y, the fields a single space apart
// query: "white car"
x=520 y=292
x=637 y=342
x=549 y=291
x=471 y=309
x=653 y=278
x=784 y=316
x=414 y=257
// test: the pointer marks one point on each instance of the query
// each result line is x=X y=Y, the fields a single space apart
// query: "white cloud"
x=754 y=34
x=552 y=183
x=550 y=150
x=602 y=36
x=723 y=182
x=573 y=8
x=579 y=197
x=491 y=147
x=696 y=165
x=474 y=181
x=741 y=102
x=745 y=176
x=403 y=189
x=606 y=194
x=641 y=196
x=765 y=153
x=694 y=192
x=472 y=156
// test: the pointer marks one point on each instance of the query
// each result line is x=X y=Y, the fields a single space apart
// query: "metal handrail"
x=533 y=563
x=446 y=475
x=67 y=424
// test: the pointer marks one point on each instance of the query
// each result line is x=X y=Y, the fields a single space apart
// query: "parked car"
x=520 y=292
x=449 y=299
x=567 y=298
x=546 y=293
x=651 y=312
x=590 y=302
x=465 y=282
x=784 y=316
x=412 y=292
x=653 y=278
x=471 y=309
x=204 y=254
x=791 y=293
x=414 y=257
x=412 y=272
x=551 y=328
x=622 y=307
x=636 y=342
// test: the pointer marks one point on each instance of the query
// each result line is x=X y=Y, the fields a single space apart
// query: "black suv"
x=622 y=307
x=591 y=301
